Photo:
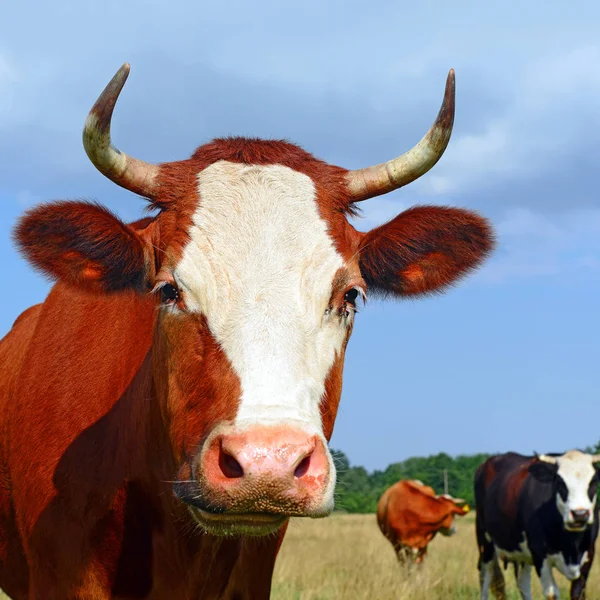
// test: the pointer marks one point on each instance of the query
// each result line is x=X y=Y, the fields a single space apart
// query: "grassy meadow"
x=346 y=557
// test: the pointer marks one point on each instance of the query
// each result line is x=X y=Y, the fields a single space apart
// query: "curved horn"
x=547 y=459
x=595 y=458
x=385 y=177
x=128 y=172
x=449 y=497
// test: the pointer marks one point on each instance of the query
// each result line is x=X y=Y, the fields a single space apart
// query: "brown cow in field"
x=410 y=514
x=167 y=408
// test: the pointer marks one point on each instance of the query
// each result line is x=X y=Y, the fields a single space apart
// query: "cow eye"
x=562 y=490
x=169 y=294
x=351 y=295
x=350 y=298
x=593 y=488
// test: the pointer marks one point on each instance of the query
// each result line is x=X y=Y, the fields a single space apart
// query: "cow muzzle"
x=578 y=519
x=448 y=531
x=249 y=482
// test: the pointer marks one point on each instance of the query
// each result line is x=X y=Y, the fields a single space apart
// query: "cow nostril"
x=302 y=467
x=580 y=515
x=230 y=467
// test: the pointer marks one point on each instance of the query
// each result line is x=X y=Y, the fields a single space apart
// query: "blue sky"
x=507 y=360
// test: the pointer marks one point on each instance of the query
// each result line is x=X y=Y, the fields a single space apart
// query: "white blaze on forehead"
x=260 y=265
x=576 y=470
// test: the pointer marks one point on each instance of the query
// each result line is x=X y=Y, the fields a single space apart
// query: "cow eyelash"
x=169 y=293
x=351 y=295
x=350 y=298
x=561 y=488
x=593 y=488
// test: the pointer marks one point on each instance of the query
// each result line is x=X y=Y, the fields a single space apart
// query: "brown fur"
x=424 y=249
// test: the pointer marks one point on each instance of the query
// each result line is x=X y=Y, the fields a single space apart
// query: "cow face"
x=256 y=273
x=574 y=479
x=453 y=507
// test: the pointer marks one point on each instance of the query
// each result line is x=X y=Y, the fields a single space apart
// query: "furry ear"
x=85 y=245
x=423 y=250
x=543 y=471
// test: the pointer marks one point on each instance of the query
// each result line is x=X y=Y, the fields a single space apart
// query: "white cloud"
x=553 y=110
x=531 y=244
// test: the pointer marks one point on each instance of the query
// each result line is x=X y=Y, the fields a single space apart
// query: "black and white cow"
x=540 y=512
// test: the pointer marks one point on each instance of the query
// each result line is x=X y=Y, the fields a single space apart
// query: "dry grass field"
x=346 y=557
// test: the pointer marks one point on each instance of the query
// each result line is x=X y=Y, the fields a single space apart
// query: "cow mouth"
x=576 y=527
x=235 y=524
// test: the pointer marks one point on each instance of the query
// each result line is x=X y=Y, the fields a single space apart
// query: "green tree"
x=358 y=491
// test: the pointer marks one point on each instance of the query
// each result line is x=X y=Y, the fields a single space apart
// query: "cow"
x=410 y=514
x=536 y=512
x=167 y=408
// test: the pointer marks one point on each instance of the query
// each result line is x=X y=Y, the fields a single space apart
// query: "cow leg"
x=485 y=578
x=549 y=587
x=402 y=553
x=491 y=579
x=498 y=586
x=524 y=581
x=578 y=586
x=420 y=555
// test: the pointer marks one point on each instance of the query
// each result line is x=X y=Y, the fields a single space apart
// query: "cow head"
x=574 y=480
x=453 y=507
x=256 y=273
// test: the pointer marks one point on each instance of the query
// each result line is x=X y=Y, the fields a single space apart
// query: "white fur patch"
x=522 y=555
x=485 y=578
x=570 y=571
x=524 y=581
x=260 y=266
x=549 y=587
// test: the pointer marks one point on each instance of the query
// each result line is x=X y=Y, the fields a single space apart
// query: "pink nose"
x=265 y=469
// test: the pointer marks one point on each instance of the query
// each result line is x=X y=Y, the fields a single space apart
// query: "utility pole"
x=445 y=481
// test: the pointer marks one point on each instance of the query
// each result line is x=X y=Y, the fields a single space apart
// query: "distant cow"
x=537 y=511
x=410 y=514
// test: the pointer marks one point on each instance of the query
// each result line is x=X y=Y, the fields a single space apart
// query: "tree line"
x=357 y=490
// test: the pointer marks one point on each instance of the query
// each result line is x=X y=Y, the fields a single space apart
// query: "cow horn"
x=449 y=497
x=128 y=172
x=547 y=459
x=595 y=458
x=385 y=177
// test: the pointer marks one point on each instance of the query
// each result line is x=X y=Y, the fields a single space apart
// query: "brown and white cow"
x=410 y=514
x=167 y=408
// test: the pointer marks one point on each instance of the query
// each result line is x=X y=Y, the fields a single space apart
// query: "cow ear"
x=85 y=245
x=465 y=509
x=424 y=250
x=543 y=471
